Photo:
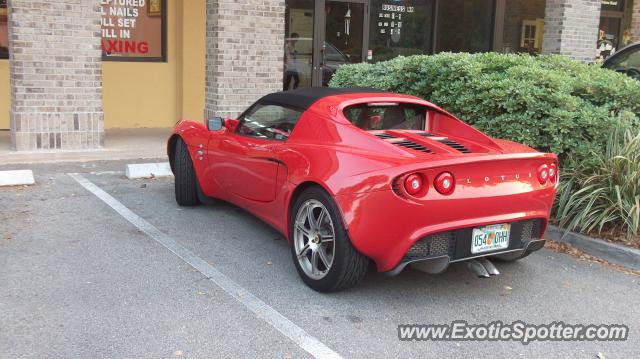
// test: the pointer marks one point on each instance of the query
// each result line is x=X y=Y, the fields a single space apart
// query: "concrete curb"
x=147 y=170
x=611 y=252
x=16 y=178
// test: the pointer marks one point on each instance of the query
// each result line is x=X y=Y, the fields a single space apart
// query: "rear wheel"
x=322 y=252
x=186 y=186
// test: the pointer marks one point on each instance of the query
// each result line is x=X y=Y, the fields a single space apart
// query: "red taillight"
x=553 y=173
x=413 y=184
x=444 y=183
x=543 y=174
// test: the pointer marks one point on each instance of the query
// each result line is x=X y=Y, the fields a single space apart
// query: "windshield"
x=386 y=116
x=625 y=60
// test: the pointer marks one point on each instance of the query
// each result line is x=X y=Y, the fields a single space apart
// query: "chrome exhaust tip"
x=489 y=266
x=482 y=268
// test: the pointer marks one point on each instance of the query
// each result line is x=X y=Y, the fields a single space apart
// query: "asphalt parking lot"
x=77 y=279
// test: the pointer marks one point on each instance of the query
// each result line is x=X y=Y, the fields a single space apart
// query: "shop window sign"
x=613 y=5
x=399 y=27
x=133 y=30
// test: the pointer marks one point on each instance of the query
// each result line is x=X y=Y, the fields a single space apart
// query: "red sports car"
x=353 y=176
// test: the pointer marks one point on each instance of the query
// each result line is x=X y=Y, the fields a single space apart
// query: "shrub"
x=607 y=196
x=549 y=102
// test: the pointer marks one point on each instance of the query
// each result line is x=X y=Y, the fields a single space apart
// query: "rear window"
x=386 y=116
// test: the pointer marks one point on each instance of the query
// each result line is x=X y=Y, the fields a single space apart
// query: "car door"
x=247 y=162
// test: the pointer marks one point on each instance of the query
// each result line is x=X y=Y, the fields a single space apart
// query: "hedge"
x=549 y=102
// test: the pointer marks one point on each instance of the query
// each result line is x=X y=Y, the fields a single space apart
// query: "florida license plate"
x=490 y=238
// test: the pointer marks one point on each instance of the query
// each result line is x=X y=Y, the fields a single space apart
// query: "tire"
x=346 y=268
x=186 y=183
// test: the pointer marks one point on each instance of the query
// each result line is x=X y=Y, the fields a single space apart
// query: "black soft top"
x=303 y=98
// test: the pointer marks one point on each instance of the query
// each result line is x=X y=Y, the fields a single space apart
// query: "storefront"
x=351 y=31
x=321 y=35
x=161 y=60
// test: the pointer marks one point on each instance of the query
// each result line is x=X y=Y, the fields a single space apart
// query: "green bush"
x=607 y=196
x=548 y=102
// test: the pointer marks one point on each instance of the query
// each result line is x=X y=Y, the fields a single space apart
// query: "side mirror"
x=215 y=123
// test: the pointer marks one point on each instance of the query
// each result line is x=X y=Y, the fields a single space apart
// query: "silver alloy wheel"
x=314 y=239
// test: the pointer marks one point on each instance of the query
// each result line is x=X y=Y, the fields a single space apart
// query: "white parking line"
x=289 y=329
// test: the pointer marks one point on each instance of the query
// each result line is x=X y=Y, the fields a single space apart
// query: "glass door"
x=343 y=37
x=320 y=36
x=299 y=44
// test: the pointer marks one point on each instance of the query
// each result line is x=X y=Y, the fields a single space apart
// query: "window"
x=298 y=46
x=4 y=33
x=608 y=36
x=270 y=122
x=627 y=62
x=400 y=27
x=386 y=116
x=465 y=26
x=331 y=54
x=615 y=27
x=134 y=30
x=523 y=26
x=531 y=36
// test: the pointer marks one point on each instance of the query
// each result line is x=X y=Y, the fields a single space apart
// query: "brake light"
x=444 y=183
x=413 y=184
x=553 y=173
x=543 y=174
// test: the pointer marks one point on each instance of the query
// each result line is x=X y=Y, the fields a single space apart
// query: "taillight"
x=413 y=184
x=553 y=173
x=444 y=183
x=543 y=174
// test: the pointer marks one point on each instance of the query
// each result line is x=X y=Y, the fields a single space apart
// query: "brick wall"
x=571 y=28
x=56 y=74
x=244 y=53
x=635 y=21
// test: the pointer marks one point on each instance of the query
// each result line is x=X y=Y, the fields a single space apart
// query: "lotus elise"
x=358 y=176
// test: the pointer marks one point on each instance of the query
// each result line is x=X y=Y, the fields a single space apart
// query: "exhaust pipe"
x=482 y=268
x=488 y=265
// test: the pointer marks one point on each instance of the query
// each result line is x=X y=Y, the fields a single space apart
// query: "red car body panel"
x=495 y=183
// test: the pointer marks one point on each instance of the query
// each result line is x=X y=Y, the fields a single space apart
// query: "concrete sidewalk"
x=134 y=143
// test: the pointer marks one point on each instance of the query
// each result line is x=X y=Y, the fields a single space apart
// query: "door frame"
x=319 y=31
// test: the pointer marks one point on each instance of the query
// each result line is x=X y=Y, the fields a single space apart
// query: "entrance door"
x=320 y=36
x=342 y=36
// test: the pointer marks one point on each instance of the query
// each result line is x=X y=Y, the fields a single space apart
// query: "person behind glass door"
x=291 y=62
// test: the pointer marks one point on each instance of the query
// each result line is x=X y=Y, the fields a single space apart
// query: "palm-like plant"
x=606 y=196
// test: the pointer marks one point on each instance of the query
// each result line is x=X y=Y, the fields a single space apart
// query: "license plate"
x=490 y=238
